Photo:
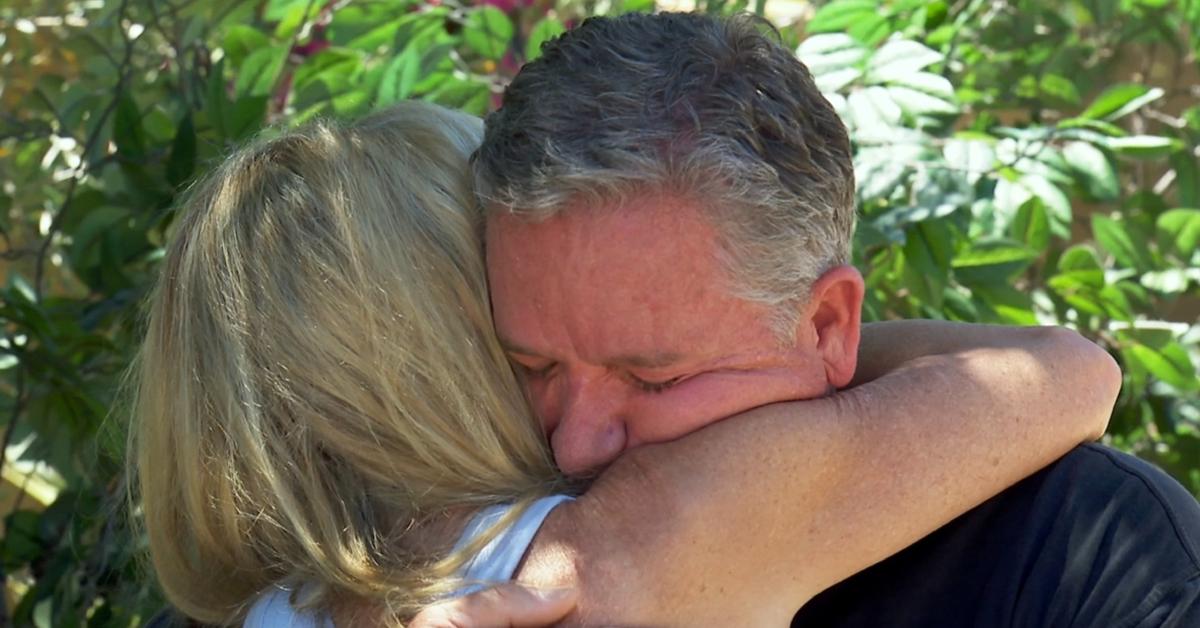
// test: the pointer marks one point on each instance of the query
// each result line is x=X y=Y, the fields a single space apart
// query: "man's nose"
x=591 y=430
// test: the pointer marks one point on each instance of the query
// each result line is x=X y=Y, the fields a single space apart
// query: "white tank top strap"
x=273 y=609
x=497 y=561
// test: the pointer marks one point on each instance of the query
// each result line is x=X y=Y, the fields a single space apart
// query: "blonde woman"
x=323 y=409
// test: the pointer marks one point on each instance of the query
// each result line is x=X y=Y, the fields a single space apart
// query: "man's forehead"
x=673 y=233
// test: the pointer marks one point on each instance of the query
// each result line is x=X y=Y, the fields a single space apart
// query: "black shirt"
x=1099 y=538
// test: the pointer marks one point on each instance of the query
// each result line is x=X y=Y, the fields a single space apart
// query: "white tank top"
x=495 y=563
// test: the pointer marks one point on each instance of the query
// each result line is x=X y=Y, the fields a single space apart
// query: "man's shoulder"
x=1092 y=478
x=1098 y=538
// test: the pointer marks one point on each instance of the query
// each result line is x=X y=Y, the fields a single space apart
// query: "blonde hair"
x=320 y=376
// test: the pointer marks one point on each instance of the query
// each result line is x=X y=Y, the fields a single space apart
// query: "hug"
x=599 y=360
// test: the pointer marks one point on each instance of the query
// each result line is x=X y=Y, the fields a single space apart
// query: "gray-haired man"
x=626 y=124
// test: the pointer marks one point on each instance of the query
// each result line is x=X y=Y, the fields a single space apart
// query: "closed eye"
x=535 y=371
x=657 y=387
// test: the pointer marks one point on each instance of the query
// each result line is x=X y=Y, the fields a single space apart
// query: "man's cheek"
x=679 y=412
x=676 y=414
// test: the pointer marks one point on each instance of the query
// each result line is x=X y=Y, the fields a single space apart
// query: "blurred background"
x=1019 y=161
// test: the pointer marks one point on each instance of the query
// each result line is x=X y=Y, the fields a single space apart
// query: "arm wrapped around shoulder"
x=743 y=521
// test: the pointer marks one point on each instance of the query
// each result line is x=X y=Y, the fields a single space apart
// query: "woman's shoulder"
x=497 y=561
x=494 y=563
x=273 y=609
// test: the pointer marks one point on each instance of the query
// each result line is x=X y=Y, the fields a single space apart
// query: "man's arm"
x=745 y=520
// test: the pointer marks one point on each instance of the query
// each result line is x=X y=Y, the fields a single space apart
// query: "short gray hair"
x=711 y=109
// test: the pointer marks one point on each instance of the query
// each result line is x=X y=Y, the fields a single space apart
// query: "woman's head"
x=320 y=373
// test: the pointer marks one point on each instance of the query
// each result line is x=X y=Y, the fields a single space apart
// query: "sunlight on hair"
x=320 y=379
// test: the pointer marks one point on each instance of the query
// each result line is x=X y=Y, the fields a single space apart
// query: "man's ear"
x=835 y=313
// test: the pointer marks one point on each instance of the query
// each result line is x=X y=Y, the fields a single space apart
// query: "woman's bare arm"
x=747 y=519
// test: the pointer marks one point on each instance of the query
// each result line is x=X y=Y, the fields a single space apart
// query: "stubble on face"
x=623 y=325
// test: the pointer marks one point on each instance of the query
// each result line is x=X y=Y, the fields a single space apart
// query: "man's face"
x=625 y=331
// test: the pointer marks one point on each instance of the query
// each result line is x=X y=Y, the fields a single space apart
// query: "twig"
x=1165 y=118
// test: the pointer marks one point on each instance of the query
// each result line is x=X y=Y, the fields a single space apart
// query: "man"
x=638 y=141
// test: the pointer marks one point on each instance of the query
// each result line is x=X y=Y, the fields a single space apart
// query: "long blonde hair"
x=320 y=376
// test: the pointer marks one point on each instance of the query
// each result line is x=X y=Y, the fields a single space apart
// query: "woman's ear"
x=835 y=313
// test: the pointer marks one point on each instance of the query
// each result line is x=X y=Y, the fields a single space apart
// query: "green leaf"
x=546 y=29
x=826 y=52
x=246 y=116
x=840 y=15
x=1116 y=304
x=635 y=6
x=928 y=249
x=916 y=103
x=1080 y=265
x=258 y=75
x=1120 y=100
x=470 y=96
x=958 y=307
x=241 y=40
x=335 y=68
x=1093 y=168
x=127 y=129
x=1060 y=88
x=994 y=253
x=278 y=9
x=877 y=172
x=1058 y=206
x=873 y=107
x=216 y=101
x=182 y=160
x=296 y=14
x=21 y=540
x=488 y=32
x=1099 y=126
x=1143 y=146
x=871 y=30
x=399 y=78
x=835 y=80
x=1006 y=304
x=1178 y=232
x=379 y=35
x=1187 y=177
x=84 y=251
x=1031 y=225
x=992 y=262
x=350 y=103
x=900 y=58
x=926 y=82
x=1169 y=363
x=1118 y=241
x=975 y=157
x=1169 y=281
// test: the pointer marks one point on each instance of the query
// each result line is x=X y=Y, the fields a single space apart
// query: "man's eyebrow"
x=515 y=347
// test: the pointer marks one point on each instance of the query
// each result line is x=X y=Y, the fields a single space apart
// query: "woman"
x=323 y=409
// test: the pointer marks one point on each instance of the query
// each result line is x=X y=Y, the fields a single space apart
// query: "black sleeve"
x=1098 y=539
x=1176 y=607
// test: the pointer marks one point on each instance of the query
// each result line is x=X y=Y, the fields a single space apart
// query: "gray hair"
x=710 y=109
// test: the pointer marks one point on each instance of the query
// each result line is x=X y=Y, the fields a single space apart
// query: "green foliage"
x=1020 y=161
x=1012 y=170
